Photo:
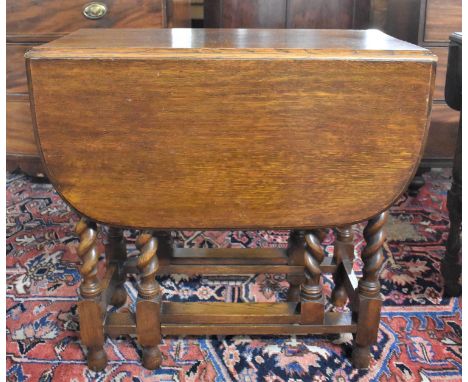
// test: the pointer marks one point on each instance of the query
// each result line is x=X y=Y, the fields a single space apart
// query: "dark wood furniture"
x=318 y=14
x=439 y=18
x=33 y=22
x=217 y=129
x=427 y=23
x=451 y=264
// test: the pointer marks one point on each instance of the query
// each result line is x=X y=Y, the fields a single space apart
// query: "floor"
x=419 y=337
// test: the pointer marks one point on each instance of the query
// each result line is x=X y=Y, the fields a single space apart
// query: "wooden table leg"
x=116 y=252
x=312 y=302
x=89 y=308
x=295 y=251
x=148 y=307
x=369 y=298
x=344 y=248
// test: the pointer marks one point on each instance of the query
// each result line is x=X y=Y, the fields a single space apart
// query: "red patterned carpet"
x=419 y=338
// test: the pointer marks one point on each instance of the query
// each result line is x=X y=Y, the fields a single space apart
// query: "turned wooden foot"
x=152 y=357
x=97 y=359
x=339 y=297
x=360 y=356
x=119 y=297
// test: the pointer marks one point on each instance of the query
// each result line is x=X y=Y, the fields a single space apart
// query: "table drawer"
x=52 y=16
x=442 y=133
x=443 y=17
x=16 y=81
x=19 y=132
x=442 y=55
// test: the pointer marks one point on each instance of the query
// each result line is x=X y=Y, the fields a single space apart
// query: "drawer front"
x=63 y=16
x=443 y=17
x=245 y=14
x=178 y=14
x=19 y=134
x=320 y=14
x=442 y=133
x=442 y=55
x=16 y=80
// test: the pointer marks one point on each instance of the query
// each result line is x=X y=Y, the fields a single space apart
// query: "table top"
x=215 y=129
x=289 y=43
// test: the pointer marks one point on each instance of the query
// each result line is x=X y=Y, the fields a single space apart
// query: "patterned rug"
x=419 y=337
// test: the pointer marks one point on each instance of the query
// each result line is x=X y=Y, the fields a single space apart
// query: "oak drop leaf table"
x=162 y=130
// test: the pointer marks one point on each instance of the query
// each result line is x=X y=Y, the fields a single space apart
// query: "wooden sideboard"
x=428 y=23
x=423 y=22
x=34 y=22
x=317 y=14
x=438 y=20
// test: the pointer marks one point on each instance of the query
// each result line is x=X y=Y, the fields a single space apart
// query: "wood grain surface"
x=326 y=14
x=30 y=164
x=16 y=80
x=178 y=13
x=245 y=14
x=442 y=137
x=52 y=16
x=442 y=55
x=187 y=43
x=229 y=313
x=118 y=324
x=279 y=130
x=443 y=17
x=20 y=135
x=398 y=18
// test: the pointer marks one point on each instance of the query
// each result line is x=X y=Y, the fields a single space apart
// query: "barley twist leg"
x=295 y=252
x=149 y=301
x=89 y=307
x=312 y=304
x=369 y=298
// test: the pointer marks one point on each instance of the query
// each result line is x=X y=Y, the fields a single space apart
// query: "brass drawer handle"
x=94 y=10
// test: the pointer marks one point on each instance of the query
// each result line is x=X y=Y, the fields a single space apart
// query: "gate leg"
x=148 y=307
x=369 y=298
x=90 y=310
